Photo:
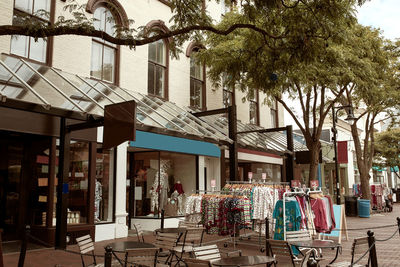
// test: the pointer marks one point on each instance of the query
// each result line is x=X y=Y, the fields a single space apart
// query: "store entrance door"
x=17 y=170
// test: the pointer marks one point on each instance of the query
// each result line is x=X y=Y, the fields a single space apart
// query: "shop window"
x=254 y=112
x=161 y=180
x=41 y=176
x=26 y=46
x=104 y=186
x=104 y=54
x=78 y=198
x=157 y=71
x=197 y=83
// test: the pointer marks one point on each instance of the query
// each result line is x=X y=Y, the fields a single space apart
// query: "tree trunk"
x=362 y=166
x=314 y=160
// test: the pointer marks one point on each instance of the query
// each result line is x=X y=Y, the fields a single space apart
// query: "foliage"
x=387 y=147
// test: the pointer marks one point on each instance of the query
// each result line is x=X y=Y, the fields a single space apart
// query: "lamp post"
x=350 y=117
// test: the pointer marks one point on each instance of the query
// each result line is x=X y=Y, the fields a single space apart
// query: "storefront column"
x=201 y=172
x=121 y=229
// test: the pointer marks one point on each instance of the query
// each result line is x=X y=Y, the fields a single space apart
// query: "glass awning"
x=275 y=141
x=52 y=88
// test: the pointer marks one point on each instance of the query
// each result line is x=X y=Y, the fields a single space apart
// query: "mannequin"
x=178 y=195
x=160 y=187
x=97 y=198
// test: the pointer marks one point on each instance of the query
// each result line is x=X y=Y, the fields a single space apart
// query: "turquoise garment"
x=293 y=219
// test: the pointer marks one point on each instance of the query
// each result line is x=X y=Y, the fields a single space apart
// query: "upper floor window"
x=26 y=46
x=157 y=69
x=254 y=112
x=158 y=60
x=274 y=115
x=104 y=54
x=228 y=92
x=197 y=83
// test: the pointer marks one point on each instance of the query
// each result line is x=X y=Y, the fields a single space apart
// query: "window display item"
x=97 y=198
x=160 y=188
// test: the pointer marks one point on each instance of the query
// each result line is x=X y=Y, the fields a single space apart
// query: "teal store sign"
x=175 y=144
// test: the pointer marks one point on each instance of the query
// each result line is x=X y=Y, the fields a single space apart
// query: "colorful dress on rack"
x=293 y=218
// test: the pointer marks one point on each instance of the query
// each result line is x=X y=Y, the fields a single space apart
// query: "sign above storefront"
x=119 y=123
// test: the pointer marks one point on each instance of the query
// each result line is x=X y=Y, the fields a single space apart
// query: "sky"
x=382 y=14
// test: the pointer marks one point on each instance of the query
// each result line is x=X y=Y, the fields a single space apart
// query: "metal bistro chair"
x=192 y=237
x=142 y=257
x=204 y=256
x=139 y=232
x=359 y=247
x=86 y=248
x=187 y=224
x=282 y=252
x=168 y=242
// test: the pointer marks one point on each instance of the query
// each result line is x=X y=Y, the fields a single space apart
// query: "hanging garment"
x=320 y=219
x=293 y=218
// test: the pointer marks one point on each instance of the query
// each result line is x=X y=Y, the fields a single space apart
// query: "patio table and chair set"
x=183 y=246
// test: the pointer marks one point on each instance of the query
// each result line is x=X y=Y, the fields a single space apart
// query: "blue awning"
x=175 y=144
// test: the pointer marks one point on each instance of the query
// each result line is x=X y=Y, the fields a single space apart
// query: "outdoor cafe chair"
x=86 y=249
x=139 y=232
x=192 y=237
x=282 y=252
x=167 y=242
x=143 y=257
x=359 y=247
x=205 y=255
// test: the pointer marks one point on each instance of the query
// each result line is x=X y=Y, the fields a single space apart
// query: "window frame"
x=194 y=48
x=274 y=109
x=104 y=44
x=49 y=41
x=255 y=101
x=159 y=26
x=121 y=18
x=226 y=90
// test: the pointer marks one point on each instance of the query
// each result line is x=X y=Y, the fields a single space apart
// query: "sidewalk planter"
x=364 y=206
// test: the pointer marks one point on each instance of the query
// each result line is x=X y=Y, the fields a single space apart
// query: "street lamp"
x=350 y=117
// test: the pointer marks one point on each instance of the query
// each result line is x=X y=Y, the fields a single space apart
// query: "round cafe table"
x=122 y=246
x=171 y=230
x=318 y=244
x=244 y=261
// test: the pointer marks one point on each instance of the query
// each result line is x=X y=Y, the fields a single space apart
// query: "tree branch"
x=84 y=30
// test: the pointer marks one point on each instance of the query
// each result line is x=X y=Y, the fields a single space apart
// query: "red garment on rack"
x=320 y=223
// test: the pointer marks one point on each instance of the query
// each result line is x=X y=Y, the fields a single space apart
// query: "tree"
x=375 y=96
x=309 y=71
x=189 y=21
x=387 y=149
x=298 y=41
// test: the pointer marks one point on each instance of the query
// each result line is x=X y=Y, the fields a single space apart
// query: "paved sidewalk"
x=388 y=252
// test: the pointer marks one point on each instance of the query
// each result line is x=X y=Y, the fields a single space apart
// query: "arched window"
x=26 y=46
x=104 y=54
x=197 y=81
x=158 y=61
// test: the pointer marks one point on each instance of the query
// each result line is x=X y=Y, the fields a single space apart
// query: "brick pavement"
x=388 y=252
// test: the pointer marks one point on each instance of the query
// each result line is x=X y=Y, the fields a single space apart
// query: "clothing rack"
x=289 y=194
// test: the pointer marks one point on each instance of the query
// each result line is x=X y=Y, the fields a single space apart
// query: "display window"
x=104 y=186
x=161 y=182
x=78 y=198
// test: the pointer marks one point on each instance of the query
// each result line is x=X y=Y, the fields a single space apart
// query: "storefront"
x=164 y=170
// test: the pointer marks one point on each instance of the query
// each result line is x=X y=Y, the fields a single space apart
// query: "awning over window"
x=272 y=141
x=26 y=85
x=175 y=144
